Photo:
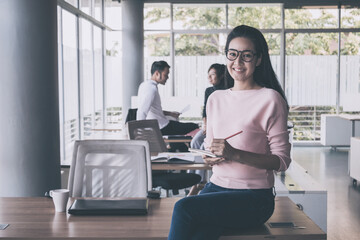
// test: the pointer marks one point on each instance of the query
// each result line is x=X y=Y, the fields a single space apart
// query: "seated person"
x=149 y=106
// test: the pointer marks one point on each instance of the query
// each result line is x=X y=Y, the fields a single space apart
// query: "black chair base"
x=175 y=181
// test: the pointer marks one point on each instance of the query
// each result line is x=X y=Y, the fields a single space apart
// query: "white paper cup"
x=60 y=198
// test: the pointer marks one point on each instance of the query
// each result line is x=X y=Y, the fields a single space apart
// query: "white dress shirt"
x=149 y=103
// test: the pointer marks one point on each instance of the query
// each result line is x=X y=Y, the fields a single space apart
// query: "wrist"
x=237 y=155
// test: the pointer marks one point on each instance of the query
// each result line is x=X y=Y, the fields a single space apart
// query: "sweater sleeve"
x=278 y=134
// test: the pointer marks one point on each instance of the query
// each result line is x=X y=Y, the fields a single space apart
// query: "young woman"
x=240 y=192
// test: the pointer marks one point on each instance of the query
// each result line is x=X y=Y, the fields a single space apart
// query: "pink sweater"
x=262 y=115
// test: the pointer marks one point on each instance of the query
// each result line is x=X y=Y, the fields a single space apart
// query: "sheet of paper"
x=161 y=157
x=3 y=226
x=185 y=109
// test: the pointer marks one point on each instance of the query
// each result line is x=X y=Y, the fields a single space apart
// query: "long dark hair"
x=264 y=74
x=220 y=74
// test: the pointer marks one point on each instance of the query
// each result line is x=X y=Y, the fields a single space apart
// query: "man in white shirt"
x=149 y=103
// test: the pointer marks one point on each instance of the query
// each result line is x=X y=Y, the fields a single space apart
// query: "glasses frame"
x=240 y=53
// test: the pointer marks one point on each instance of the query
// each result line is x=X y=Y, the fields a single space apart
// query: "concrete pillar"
x=133 y=50
x=29 y=108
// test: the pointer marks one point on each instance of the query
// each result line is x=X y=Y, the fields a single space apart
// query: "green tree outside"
x=268 y=17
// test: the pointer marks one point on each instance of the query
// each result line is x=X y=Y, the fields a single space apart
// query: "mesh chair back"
x=147 y=130
x=110 y=168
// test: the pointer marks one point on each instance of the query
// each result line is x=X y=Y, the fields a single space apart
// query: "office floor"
x=330 y=168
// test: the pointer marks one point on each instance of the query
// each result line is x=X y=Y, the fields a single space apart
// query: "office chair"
x=131 y=115
x=110 y=168
x=149 y=130
x=173 y=147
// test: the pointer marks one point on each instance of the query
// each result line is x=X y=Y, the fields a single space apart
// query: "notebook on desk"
x=185 y=157
x=109 y=207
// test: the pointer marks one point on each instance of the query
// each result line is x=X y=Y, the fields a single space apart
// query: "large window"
x=196 y=16
x=311 y=70
x=113 y=64
x=69 y=84
x=314 y=51
x=311 y=18
x=194 y=53
x=349 y=60
x=267 y=16
x=98 y=78
x=84 y=77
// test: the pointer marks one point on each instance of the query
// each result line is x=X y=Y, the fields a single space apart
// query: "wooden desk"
x=35 y=218
x=179 y=166
x=177 y=140
x=169 y=166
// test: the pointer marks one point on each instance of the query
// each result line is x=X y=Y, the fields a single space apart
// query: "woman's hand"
x=221 y=148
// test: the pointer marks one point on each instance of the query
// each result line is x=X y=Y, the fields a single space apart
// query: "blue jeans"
x=205 y=216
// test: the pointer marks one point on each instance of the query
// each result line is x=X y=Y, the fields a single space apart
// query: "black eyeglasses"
x=246 y=55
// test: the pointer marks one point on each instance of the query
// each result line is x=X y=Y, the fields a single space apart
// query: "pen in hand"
x=213 y=155
x=233 y=135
